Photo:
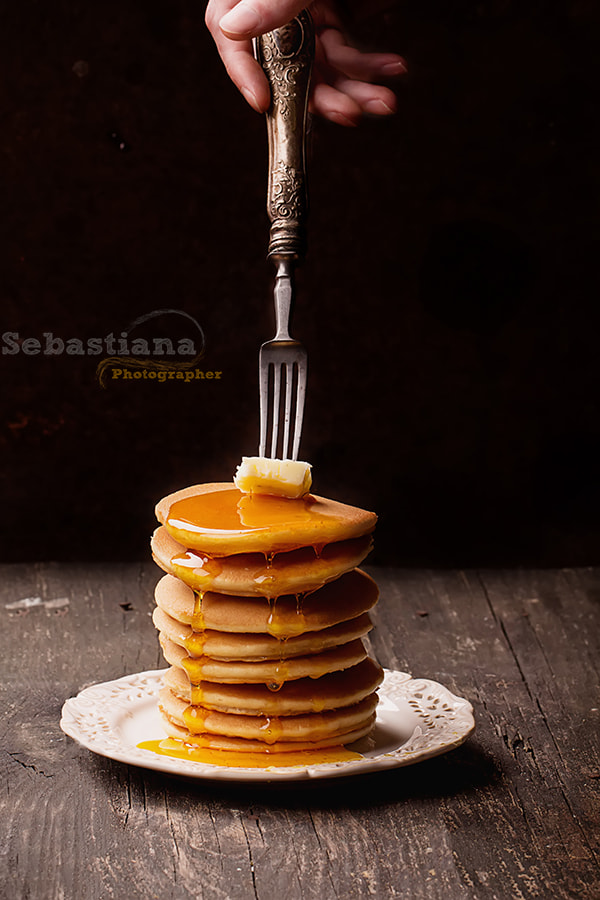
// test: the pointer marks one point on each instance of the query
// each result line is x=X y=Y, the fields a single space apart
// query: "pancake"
x=338 y=601
x=249 y=574
x=243 y=745
x=313 y=727
x=220 y=520
x=305 y=695
x=255 y=647
x=261 y=617
x=273 y=671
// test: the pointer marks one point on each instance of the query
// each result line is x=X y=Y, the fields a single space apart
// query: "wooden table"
x=514 y=813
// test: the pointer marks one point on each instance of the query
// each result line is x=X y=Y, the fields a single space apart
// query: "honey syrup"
x=249 y=760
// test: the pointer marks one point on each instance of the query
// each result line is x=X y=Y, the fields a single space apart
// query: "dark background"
x=449 y=302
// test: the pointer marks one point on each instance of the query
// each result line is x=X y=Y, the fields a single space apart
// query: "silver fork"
x=282 y=360
x=286 y=56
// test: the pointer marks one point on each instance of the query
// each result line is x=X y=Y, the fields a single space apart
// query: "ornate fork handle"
x=286 y=56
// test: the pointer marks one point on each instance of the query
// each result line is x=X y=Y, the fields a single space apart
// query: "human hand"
x=342 y=86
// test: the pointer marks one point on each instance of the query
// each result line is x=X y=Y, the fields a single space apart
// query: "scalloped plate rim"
x=399 y=689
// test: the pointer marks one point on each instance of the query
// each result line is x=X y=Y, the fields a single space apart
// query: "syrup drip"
x=282 y=672
x=266 y=579
x=195 y=719
x=205 y=568
x=281 y=626
x=193 y=667
x=194 y=644
x=279 y=667
x=196 y=694
x=198 y=616
x=271 y=730
x=249 y=760
x=300 y=620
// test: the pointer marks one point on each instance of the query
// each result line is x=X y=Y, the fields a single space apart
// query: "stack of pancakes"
x=261 y=617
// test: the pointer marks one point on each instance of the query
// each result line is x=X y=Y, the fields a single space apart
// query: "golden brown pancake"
x=306 y=695
x=313 y=727
x=261 y=616
x=249 y=574
x=340 y=600
x=220 y=520
x=243 y=745
x=273 y=671
x=255 y=647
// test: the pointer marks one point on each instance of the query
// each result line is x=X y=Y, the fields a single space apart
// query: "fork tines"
x=283 y=368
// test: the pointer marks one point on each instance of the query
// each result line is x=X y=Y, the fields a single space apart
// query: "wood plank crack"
x=30 y=766
x=174 y=836
x=323 y=847
x=250 y=858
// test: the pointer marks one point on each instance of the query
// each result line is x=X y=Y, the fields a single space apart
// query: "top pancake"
x=220 y=520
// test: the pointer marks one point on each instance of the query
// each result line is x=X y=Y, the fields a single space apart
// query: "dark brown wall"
x=448 y=303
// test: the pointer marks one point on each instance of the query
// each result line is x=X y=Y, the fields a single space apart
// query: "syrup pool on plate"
x=251 y=760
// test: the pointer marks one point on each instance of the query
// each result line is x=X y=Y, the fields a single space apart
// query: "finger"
x=215 y=10
x=373 y=99
x=249 y=18
x=354 y=63
x=244 y=71
x=335 y=105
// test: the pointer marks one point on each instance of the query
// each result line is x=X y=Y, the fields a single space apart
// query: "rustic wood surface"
x=514 y=813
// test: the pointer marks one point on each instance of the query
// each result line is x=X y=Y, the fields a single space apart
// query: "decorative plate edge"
x=452 y=719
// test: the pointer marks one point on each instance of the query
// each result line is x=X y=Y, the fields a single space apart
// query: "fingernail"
x=242 y=19
x=394 y=68
x=251 y=98
x=379 y=108
x=340 y=119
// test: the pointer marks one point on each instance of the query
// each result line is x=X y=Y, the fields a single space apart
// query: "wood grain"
x=513 y=813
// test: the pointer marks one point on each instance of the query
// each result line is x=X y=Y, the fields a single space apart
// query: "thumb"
x=249 y=18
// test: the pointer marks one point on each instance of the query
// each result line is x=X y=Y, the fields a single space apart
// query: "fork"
x=286 y=56
x=282 y=360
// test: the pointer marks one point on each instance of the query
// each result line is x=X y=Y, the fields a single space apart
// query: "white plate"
x=416 y=719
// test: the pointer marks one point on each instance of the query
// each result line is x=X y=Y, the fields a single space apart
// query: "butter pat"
x=279 y=477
